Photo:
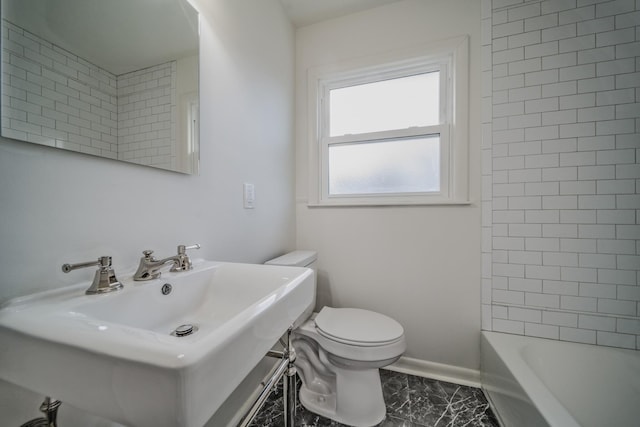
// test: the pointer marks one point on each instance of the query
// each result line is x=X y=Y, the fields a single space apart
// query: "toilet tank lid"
x=295 y=259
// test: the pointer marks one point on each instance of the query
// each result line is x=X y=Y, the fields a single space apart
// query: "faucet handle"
x=183 y=263
x=182 y=248
x=105 y=278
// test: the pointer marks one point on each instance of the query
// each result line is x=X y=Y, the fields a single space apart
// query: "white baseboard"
x=436 y=371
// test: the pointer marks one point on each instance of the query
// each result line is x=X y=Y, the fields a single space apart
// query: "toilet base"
x=357 y=401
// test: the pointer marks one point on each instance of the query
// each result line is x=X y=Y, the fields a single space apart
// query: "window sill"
x=389 y=204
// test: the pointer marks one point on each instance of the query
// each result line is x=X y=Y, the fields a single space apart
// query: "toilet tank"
x=299 y=259
x=296 y=259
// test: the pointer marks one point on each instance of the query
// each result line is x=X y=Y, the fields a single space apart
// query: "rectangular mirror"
x=110 y=78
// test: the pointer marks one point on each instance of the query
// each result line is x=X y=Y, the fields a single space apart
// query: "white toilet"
x=339 y=352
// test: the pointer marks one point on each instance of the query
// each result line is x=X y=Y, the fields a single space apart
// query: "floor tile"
x=411 y=402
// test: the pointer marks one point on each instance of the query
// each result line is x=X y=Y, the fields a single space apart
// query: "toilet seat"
x=357 y=327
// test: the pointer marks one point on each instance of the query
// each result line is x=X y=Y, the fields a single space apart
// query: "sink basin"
x=118 y=355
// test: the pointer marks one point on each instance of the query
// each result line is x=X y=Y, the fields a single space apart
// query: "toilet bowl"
x=338 y=354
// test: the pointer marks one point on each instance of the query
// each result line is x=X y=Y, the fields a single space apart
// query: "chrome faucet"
x=149 y=266
x=105 y=279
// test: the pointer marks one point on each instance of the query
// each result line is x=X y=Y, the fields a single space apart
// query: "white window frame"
x=450 y=58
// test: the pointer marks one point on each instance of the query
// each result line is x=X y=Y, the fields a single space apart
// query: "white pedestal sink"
x=113 y=355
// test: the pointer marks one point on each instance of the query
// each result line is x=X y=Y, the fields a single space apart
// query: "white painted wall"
x=58 y=206
x=419 y=265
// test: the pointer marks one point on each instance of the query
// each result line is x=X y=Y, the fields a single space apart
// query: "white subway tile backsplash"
x=612 y=38
x=525 y=314
x=541 y=133
x=508 y=326
x=614 y=157
x=525 y=148
x=508 y=28
x=559 y=318
x=541 y=188
x=597 y=84
x=542 y=216
x=578 y=158
x=559 y=89
x=613 y=127
x=629 y=80
x=559 y=61
x=541 y=50
x=628 y=231
x=541 y=22
x=615 y=7
x=542 y=331
x=542 y=300
x=577 y=187
x=577 y=101
x=627 y=111
x=625 y=201
x=557 y=287
x=560 y=174
x=559 y=117
x=525 y=120
x=525 y=39
x=612 y=246
x=617 y=277
x=559 y=32
x=596 y=323
x=578 y=303
x=600 y=231
x=575 y=44
x=560 y=230
x=541 y=77
x=550 y=6
x=613 y=97
x=578 y=216
x=523 y=12
x=541 y=105
x=542 y=161
x=628 y=326
x=577 y=335
x=604 y=142
x=629 y=262
x=510 y=109
x=597 y=290
x=593 y=114
x=616 y=306
x=597 y=260
x=619 y=186
x=560 y=259
x=597 y=25
x=630 y=19
x=565 y=142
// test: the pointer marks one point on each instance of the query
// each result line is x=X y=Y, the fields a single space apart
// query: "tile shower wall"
x=53 y=97
x=147 y=115
x=561 y=172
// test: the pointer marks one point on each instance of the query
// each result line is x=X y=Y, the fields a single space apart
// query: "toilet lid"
x=356 y=326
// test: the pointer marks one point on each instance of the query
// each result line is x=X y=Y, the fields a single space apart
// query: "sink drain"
x=184 y=330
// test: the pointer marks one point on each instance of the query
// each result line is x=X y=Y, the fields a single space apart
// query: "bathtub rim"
x=539 y=396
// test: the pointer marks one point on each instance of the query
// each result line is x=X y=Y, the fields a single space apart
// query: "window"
x=390 y=130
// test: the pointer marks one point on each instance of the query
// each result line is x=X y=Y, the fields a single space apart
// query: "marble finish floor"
x=411 y=402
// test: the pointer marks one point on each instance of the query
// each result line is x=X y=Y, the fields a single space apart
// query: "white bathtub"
x=540 y=382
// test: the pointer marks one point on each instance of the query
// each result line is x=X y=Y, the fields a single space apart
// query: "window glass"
x=398 y=103
x=408 y=165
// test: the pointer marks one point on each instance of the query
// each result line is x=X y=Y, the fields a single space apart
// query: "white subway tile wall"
x=561 y=169
x=147 y=116
x=53 y=97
